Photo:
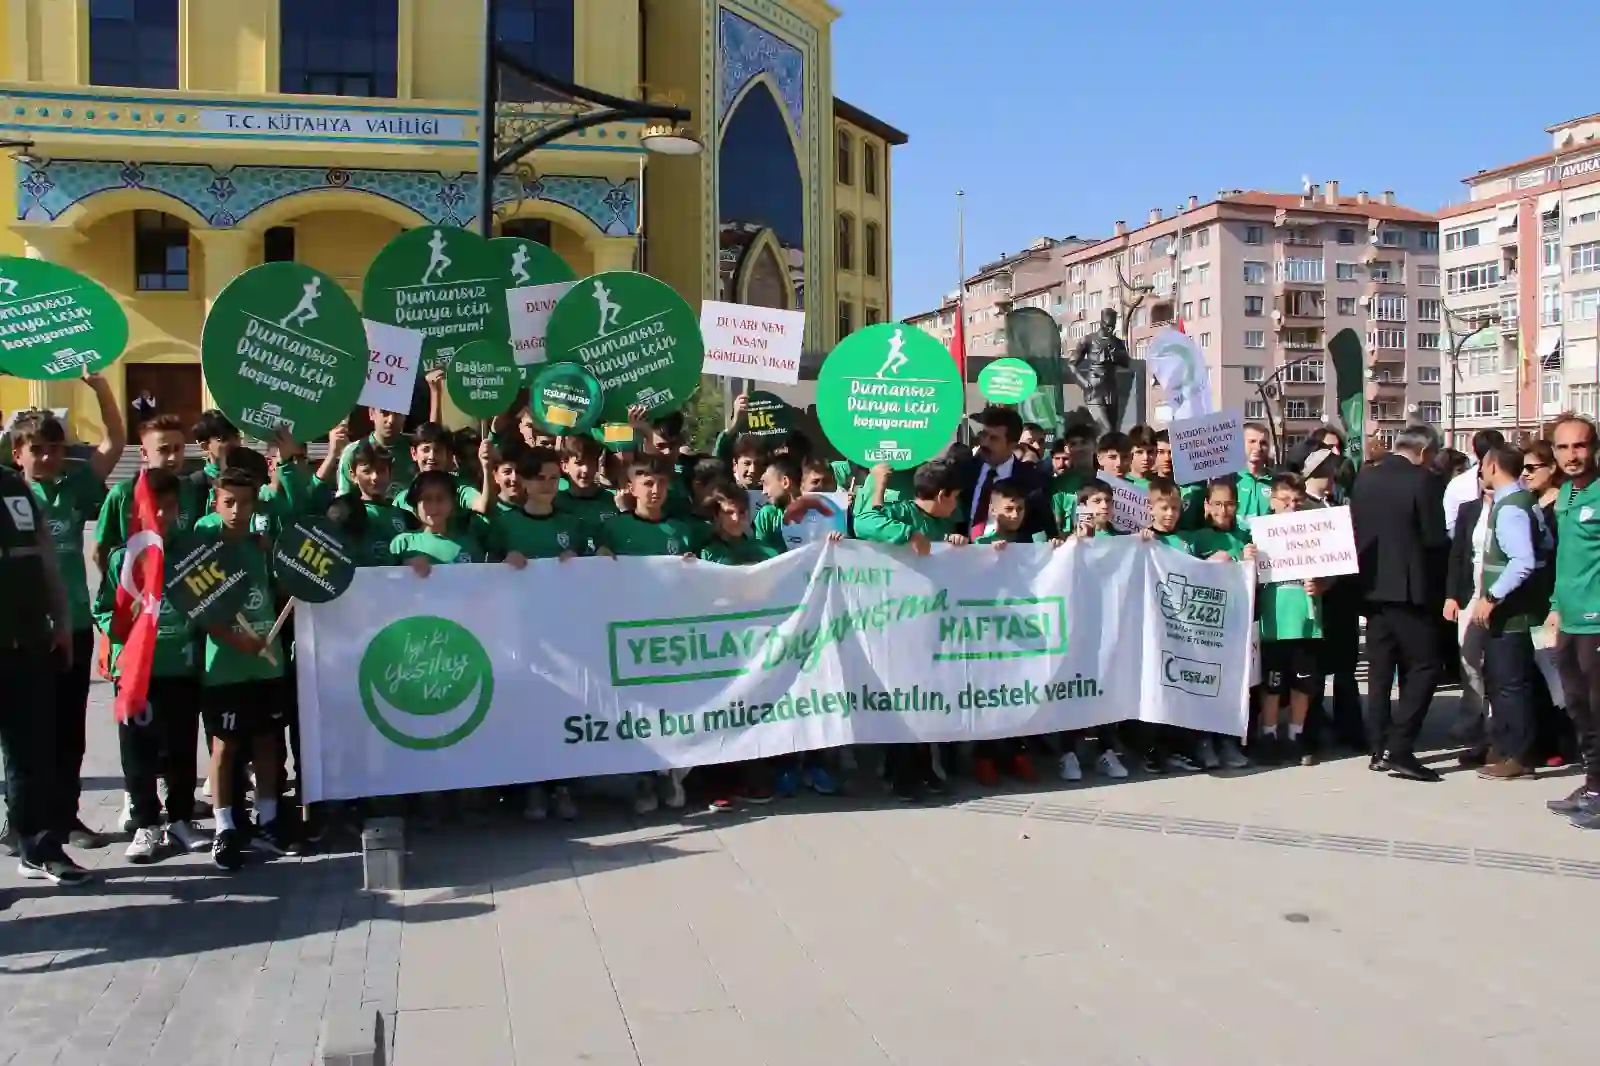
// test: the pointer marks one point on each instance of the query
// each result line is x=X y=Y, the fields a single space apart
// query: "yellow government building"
x=163 y=146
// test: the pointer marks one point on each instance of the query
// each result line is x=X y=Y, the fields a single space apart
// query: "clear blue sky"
x=1021 y=103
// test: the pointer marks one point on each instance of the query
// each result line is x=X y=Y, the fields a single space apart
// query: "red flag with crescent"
x=135 y=617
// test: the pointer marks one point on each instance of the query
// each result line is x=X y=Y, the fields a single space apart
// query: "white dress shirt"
x=1463 y=488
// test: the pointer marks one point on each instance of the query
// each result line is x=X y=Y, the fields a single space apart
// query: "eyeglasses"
x=1535 y=466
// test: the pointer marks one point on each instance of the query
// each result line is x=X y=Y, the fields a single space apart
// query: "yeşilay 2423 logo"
x=426 y=683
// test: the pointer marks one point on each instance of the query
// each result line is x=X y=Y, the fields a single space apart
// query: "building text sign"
x=315 y=122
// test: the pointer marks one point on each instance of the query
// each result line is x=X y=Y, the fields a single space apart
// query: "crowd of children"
x=434 y=497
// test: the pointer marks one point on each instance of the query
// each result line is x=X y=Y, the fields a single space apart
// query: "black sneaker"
x=1266 y=751
x=908 y=791
x=1580 y=801
x=50 y=863
x=277 y=837
x=81 y=836
x=227 y=850
x=1153 y=763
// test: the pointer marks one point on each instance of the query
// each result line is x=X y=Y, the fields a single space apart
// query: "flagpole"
x=961 y=298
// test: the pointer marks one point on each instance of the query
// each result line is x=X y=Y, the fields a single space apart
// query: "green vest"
x=24 y=588
x=1528 y=604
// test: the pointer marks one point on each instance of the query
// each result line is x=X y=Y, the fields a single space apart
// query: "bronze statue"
x=1095 y=363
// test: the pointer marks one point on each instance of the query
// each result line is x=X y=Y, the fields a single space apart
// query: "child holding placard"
x=366 y=515
x=161 y=445
x=1221 y=539
x=1291 y=634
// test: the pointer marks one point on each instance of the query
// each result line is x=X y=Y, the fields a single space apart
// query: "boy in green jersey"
x=1141 y=455
x=70 y=493
x=502 y=488
x=388 y=437
x=442 y=539
x=159 y=743
x=731 y=542
x=1166 y=506
x=1090 y=515
x=1072 y=466
x=215 y=435
x=161 y=444
x=241 y=684
x=1192 y=514
x=1255 y=481
x=1221 y=538
x=818 y=475
x=648 y=529
x=433 y=450
x=584 y=497
x=1291 y=632
x=930 y=517
x=1008 y=507
x=780 y=484
x=1113 y=454
x=365 y=514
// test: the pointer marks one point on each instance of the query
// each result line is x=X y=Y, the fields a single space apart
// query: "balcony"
x=1508 y=235
x=1300 y=304
x=1296 y=240
x=1297 y=345
x=1508 y=326
x=1301 y=387
x=1508 y=282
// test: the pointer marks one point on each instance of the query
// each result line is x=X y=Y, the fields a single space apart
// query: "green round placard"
x=565 y=398
x=766 y=415
x=483 y=378
x=209 y=582
x=284 y=346
x=525 y=262
x=635 y=334
x=55 y=323
x=1009 y=381
x=889 y=394
x=311 y=561
x=445 y=281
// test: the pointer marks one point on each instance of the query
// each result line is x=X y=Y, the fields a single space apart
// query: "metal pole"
x=488 y=112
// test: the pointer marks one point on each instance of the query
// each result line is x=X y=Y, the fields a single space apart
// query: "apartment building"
x=1521 y=260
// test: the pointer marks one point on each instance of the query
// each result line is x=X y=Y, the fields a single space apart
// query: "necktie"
x=980 y=504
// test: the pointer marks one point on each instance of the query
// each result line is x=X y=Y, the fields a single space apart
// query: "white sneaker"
x=186 y=836
x=1232 y=757
x=1206 y=750
x=145 y=846
x=566 y=810
x=1071 y=769
x=675 y=799
x=537 y=806
x=126 y=818
x=644 y=795
x=1110 y=765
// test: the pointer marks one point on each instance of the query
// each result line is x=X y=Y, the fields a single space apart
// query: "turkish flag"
x=138 y=608
x=958 y=341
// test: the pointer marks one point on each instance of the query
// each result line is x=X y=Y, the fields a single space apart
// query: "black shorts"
x=237 y=712
x=1291 y=666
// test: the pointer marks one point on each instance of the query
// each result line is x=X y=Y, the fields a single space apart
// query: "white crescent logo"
x=138 y=544
x=427 y=727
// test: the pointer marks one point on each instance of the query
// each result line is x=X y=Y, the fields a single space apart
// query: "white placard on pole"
x=1206 y=447
x=1301 y=545
x=393 y=355
x=1130 y=505
x=529 y=308
x=758 y=343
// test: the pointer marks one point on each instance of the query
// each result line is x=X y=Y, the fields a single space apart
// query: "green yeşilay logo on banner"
x=426 y=683
x=765 y=415
x=209 y=582
x=284 y=346
x=635 y=334
x=447 y=282
x=311 y=561
x=525 y=262
x=483 y=378
x=55 y=323
x=565 y=398
x=889 y=394
x=1007 y=381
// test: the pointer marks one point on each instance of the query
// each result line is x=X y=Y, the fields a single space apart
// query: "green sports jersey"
x=901 y=489
x=71 y=502
x=1289 y=612
x=1142 y=483
x=895 y=523
x=1255 y=495
x=372 y=545
x=402 y=468
x=1064 y=498
x=1207 y=541
x=224 y=665
x=466 y=496
x=629 y=534
x=592 y=510
x=534 y=536
x=767 y=527
x=1176 y=539
x=1577 y=582
x=178 y=644
x=1013 y=538
x=1192 y=504
x=746 y=551
x=111 y=528
x=463 y=547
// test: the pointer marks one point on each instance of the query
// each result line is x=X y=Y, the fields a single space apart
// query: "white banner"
x=479 y=675
x=1130 y=505
x=1301 y=545
x=759 y=343
x=393 y=355
x=529 y=307
x=1207 y=447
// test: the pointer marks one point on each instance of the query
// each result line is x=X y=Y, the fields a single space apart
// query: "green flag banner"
x=1034 y=337
x=1350 y=387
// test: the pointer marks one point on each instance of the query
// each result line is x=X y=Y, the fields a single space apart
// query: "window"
x=1186 y=276
x=1583 y=209
x=1550 y=303
x=1139 y=253
x=134 y=42
x=539 y=33
x=1583 y=305
x=1484 y=361
x=1205 y=307
x=160 y=252
x=1252 y=372
x=277 y=245
x=1586 y=257
x=1205 y=340
x=1387 y=338
x=1253 y=305
x=1392 y=238
x=1202 y=273
x=1428 y=341
x=1347 y=235
x=1430 y=310
x=1387 y=309
x=1344 y=272
x=869 y=168
x=1466 y=237
x=1203 y=239
x=1473 y=278
x=847 y=318
x=1581 y=399
x=1478 y=404
x=346 y=49
x=1303 y=337
x=1252 y=235
x=1255 y=410
x=1382 y=271
x=1255 y=338
x=1550 y=390
x=1255 y=273
x=1427 y=375
x=1309 y=372
x=1162 y=281
x=845 y=242
x=1428 y=240
x=1188 y=241
x=874 y=315
x=1076 y=274
x=1347 y=305
x=1301 y=409
x=1427 y=275
x=841 y=151
x=1304 y=271
x=869 y=247
x=1187 y=310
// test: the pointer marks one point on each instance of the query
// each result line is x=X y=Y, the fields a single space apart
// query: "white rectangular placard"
x=1302 y=545
x=759 y=343
x=393 y=355
x=1206 y=447
x=529 y=308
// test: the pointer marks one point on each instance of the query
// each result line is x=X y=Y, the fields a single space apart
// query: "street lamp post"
x=1461 y=331
x=666 y=136
x=1269 y=389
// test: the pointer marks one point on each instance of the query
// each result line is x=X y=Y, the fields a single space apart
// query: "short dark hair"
x=1288 y=480
x=643 y=465
x=365 y=453
x=1486 y=440
x=167 y=423
x=248 y=460
x=671 y=424
x=237 y=479
x=795 y=442
x=935 y=478
x=816 y=465
x=1163 y=437
x=1114 y=441
x=1006 y=418
x=432 y=433
x=1091 y=490
x=1507 y=457
x=1034 y=427
x=39 y=425
x=1164 y=487
x=532 y=460
x=1141 y=436
x=750 y=446
x=1008 y=488
x=786 y=466
x=1080 y=431
x=213 y=425
x=709 y=470
x=1222 y=484
x=428 y=478
x=581 y=446
x=730 y=494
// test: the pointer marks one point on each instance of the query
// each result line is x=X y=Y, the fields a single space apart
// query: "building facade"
x=168 y=145
x=1262 y=281
x=1522 y=281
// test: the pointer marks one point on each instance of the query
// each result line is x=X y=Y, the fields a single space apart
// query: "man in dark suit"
x=994 y=460
x=1397 y=506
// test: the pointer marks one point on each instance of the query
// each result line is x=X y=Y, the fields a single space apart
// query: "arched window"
x=846 y=242
x=869 y=248
x=846 y=164
x=869 y=168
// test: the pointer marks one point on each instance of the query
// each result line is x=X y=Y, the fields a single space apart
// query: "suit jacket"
x=1035 y=481
x=1460 y=581
x=1397 y=508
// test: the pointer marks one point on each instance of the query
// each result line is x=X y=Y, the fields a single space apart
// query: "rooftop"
x=871 y=123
